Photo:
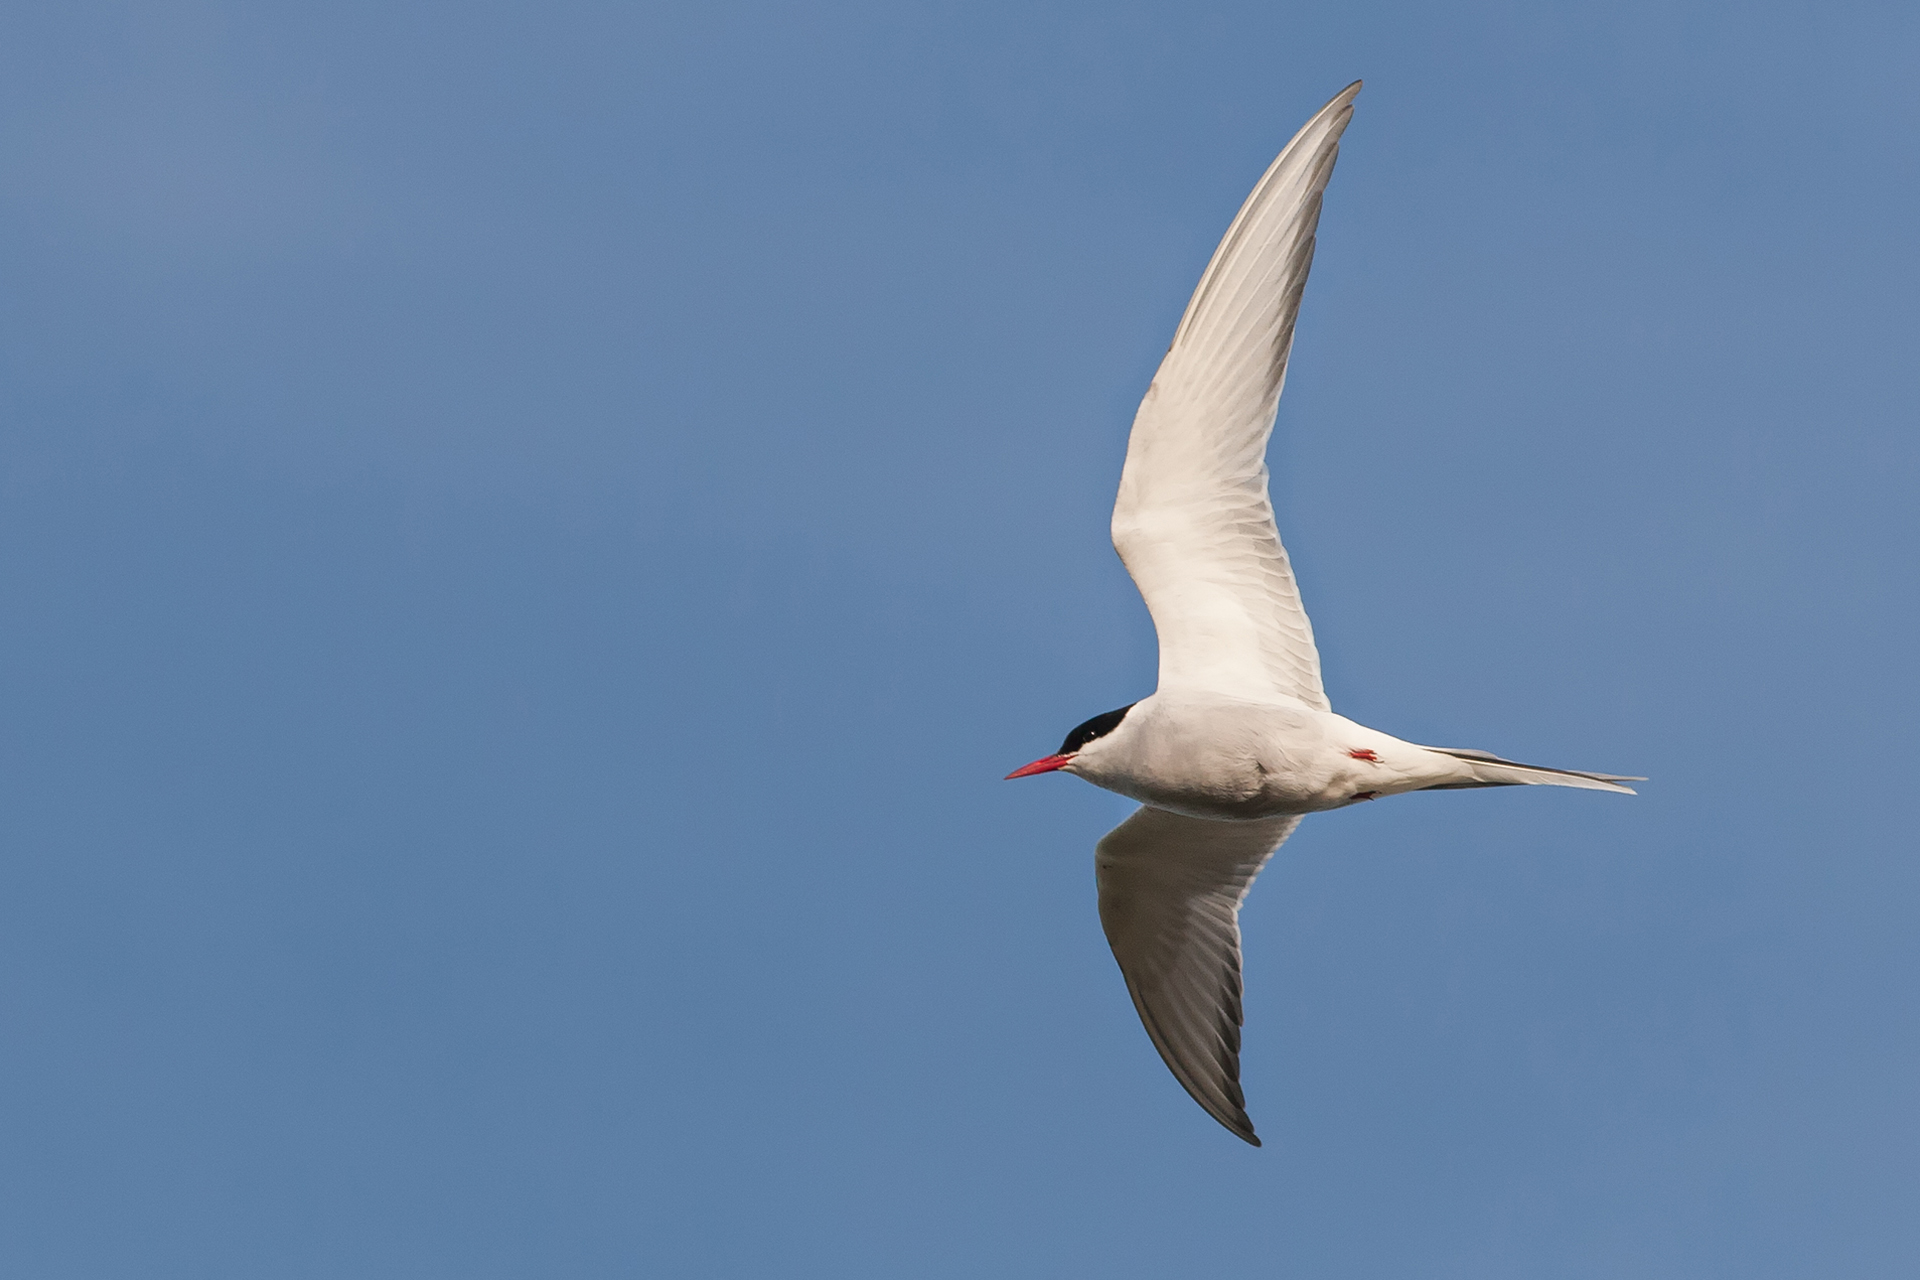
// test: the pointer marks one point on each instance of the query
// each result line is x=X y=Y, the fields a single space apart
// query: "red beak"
x=1046 y=764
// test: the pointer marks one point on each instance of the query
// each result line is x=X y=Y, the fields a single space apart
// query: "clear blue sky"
x=529 y=534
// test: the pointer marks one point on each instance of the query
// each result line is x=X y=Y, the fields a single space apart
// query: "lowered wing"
x=1170 y=895
x=1194 y=523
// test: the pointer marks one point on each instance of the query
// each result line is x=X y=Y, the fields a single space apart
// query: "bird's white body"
x=1239 y=740
x=1208 y=756
x=1232 y=760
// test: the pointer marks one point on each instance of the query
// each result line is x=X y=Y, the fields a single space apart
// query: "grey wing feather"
x=1170 y=895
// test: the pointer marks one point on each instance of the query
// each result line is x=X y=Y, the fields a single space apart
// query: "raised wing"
x=1170 y=895
x=1194 y=523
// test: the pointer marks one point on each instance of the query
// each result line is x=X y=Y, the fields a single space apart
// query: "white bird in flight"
x=1238 y=742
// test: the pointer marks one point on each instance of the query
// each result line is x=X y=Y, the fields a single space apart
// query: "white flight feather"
x=1193 y=522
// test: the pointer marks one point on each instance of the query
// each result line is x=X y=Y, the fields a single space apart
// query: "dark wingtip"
x=1237 y=1123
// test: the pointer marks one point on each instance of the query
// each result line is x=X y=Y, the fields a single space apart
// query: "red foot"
x=1365 y=753
x=1365 y=795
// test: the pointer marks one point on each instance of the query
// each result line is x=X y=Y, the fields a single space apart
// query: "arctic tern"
x=1238 y=742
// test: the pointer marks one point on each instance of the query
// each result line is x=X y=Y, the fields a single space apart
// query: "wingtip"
x=1237 y=1123
x=1340 y=103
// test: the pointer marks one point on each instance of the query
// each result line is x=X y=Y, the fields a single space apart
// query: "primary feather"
x=1170 y=895
x=1193 y=522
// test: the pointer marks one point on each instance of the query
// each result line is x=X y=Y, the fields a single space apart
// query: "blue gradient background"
x=530 y=533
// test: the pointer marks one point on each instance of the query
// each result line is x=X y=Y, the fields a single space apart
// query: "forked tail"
x=1489 y=770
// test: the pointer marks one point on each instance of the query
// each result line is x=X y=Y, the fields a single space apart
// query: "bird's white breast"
x=1211 y=757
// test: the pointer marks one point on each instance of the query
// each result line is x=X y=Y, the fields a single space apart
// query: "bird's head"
x=1085 y=738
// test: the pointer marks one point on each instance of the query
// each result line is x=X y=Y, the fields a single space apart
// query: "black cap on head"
x=1098 y=727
